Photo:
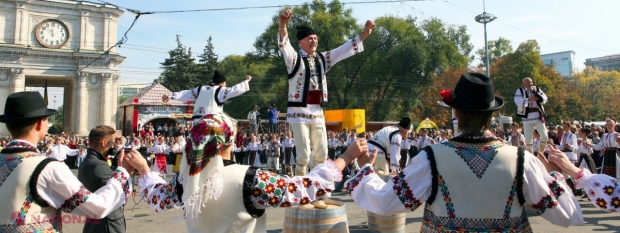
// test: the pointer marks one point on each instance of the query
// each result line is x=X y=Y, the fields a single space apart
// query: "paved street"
x=140 y=218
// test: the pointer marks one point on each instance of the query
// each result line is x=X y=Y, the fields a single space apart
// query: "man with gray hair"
x=529 y=100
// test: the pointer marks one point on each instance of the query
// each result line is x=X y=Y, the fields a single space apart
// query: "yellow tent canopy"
x=426 y=124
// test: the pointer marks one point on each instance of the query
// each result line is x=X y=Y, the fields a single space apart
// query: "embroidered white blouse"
x=371 y=193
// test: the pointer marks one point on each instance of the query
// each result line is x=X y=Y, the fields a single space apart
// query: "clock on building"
x=52 y=33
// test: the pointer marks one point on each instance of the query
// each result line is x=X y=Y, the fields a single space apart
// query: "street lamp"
x=485 y=18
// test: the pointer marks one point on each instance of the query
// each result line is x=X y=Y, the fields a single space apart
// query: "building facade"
x=606 y=63
x=563 y=62
x=62 y=41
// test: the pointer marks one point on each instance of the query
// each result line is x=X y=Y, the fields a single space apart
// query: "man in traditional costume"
x=210 y=98
x=35 y=188
x=388 y=141
x=307 y=90
x=472 y=183
x=568 y=142
x=220 y=196
x=529 y=100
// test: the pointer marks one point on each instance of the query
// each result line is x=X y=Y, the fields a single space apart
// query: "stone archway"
x=77 y=64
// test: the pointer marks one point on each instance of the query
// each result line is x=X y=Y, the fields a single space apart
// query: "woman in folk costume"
x=609 y=147
x=585 y=151
x=449 y=176
x=160 y=151
x=218 y=195
x=254 y=148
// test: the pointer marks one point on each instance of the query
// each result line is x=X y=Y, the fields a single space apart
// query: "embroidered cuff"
x=582 y=178
x=355 y=181
x=333 y=170
x=76 y=200
x=148 y=180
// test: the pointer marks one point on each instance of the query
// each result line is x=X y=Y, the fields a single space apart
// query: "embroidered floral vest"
x=299 y=80
x=476 y=188
x=19 y=211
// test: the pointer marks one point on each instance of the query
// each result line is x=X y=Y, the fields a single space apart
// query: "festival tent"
x=426 y=124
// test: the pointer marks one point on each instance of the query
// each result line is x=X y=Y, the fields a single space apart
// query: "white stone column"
x=114 y=100
x=106 y=94
x=18 y=80
x=82 y=104
x=5 y=89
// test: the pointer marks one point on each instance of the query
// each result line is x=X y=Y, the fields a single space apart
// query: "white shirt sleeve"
x=603 y=190
x=375 y=195
x=519 y=98
x=234 y=91
x=395 y=152
x=346 y=50
x=186 y=95
x=549 y=195
x=288 y=52
x=62 y=190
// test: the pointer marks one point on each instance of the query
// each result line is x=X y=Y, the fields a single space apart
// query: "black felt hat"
x=405 y=123
x=24 y=106
x=303 y=31
x=474 y=92
x=218 y=77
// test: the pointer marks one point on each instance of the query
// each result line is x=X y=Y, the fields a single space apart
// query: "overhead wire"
x=533 y=33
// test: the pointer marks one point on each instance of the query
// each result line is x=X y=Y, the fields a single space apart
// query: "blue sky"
x=586 y=27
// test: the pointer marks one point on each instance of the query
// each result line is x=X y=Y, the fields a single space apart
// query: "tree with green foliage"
x=180 y=70
x=207 y=61
x=497 y=49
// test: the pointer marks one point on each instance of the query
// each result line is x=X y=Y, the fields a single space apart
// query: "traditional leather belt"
x=314 y=97
x=567 y=150
x=611 y=148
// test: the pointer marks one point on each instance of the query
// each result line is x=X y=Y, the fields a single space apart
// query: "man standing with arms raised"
x=307 y=90
x=529 y=100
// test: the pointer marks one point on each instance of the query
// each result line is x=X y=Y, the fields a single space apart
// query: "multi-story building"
x=605 y=63
x=563 y=62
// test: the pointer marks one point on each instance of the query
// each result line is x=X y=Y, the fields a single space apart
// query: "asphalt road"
x=140 y=218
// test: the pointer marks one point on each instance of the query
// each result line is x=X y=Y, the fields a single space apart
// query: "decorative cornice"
x=80 y=5
x=57 y=53
x=12 y=60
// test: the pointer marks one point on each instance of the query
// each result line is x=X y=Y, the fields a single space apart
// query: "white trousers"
x=528 y=132
x=309 y=136
x=273 y=161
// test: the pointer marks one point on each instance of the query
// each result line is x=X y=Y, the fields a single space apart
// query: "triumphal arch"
x=63 y=43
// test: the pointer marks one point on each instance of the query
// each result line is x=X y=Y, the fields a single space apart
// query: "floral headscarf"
x=202 y=164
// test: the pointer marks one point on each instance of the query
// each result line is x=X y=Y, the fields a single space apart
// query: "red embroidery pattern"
x=75 y=200
x=544 y=203
x=404 y=193
x=356 y=181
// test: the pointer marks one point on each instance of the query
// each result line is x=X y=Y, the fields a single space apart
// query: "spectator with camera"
x=272 y=113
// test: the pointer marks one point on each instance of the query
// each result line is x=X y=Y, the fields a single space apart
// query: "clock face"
x=52 y=33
